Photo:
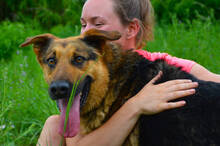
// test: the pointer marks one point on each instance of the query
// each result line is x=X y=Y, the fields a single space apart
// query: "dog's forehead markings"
x=68 y=47
x=62 y=46
x=67 y=43
x=78 y=46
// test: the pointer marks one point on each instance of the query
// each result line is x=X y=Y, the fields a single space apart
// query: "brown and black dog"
x=111 y=77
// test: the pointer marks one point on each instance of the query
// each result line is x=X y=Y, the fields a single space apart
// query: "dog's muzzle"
x=60 y=89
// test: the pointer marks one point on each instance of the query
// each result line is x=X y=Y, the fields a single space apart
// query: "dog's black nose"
x=59 y=89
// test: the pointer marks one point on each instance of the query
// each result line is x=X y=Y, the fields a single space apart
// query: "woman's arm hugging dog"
x=113 y=75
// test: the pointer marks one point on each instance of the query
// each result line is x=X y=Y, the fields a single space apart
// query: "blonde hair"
x=142 y=10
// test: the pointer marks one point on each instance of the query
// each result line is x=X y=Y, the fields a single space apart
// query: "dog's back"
x=196 y=124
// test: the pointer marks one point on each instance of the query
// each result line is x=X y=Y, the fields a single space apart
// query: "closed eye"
x=99 y=24
x=83 y=25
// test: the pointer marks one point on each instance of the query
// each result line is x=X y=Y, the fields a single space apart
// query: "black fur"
x=195 y=124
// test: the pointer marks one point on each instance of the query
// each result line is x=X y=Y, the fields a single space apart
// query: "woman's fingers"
x=171 y=105
x=179 y=94
x=156 y=78
x=176 y=82
x=183 y=86
x=155 y=98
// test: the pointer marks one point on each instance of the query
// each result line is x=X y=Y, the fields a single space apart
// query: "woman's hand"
x=153 y=99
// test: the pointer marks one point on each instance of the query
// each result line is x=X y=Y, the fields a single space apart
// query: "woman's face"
x=100 y=14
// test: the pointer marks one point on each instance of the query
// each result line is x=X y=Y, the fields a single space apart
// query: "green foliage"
x=47 y=12
x=186 y=9
x=196 y=40
x=12 y=35
x=65 y=30
x=52 y=12
x=24 y=100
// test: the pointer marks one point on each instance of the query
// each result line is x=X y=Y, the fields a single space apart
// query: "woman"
x=133 y=19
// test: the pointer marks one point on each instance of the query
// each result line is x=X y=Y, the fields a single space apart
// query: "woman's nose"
x=86 y=28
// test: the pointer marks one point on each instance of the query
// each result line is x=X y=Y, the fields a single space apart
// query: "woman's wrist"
x=133 y=108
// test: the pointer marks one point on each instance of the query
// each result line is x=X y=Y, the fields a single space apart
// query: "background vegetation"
x=185 y=28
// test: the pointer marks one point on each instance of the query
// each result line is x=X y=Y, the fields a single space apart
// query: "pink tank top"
x=178 y=62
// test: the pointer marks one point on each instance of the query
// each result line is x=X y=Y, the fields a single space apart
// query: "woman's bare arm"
x=204 y=74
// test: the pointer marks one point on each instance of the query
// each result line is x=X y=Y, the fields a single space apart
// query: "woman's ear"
x=133 y=29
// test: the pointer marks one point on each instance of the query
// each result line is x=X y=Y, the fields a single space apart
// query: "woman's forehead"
x=98 y=9
x=93 y=18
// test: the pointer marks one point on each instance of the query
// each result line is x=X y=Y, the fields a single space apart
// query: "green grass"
x=24 y=101
x=195 y=41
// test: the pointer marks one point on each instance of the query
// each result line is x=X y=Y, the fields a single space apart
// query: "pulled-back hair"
x=142 y=10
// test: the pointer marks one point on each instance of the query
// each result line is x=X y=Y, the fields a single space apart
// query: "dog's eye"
x=79 y=59
x=51 y=62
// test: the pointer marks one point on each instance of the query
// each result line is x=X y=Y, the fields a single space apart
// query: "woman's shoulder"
x=185 y=64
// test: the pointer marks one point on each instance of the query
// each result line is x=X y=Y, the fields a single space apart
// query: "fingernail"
x=192 y=90
x=183 y=102
x=196 y=83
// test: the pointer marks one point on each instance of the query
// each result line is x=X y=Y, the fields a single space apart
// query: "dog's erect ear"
x=40 y=42
x=96 y=37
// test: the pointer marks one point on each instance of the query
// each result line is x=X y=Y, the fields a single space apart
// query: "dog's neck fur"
x=128 y=74
x=124 y=70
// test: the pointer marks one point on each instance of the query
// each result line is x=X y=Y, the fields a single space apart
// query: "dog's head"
x=74 y=61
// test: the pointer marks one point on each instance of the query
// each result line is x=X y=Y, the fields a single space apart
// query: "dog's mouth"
x=73 y=123
x=85 y=91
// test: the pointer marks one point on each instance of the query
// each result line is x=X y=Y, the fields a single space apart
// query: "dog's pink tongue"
x=73 y=123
